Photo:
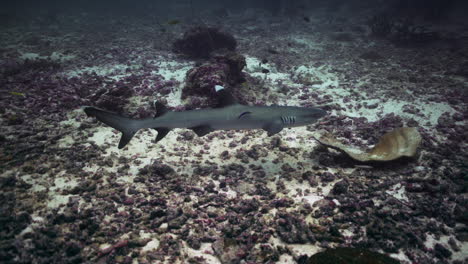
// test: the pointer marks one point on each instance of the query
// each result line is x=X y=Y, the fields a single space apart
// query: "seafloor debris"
x=400 y=142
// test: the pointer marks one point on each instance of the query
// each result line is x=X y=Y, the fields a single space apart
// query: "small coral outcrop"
x=201 y=41
x=223 y=69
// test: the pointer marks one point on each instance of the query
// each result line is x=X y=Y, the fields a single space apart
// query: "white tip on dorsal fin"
x=219 y=88
x=225 y=98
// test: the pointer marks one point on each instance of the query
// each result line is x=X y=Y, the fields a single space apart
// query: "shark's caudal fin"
x=126 y=125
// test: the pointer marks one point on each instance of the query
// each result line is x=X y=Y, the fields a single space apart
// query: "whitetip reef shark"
x=229 y=115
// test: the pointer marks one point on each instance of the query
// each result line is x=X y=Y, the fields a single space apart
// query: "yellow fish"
x=17 y=93
x=173 y=22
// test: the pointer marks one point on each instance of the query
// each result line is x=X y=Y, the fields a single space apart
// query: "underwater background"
x=381 y=178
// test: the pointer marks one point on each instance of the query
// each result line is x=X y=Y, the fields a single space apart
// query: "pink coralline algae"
x=40 y=88
x=224 y=70
x=203 y=79
x=149 y=85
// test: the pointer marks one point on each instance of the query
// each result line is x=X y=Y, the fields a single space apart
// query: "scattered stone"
x=340 y=187
x=441 y=251
x=227 y=250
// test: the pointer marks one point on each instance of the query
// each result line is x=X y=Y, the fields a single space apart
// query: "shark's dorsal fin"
x=225 y=98
x=162 y=132
x=161 y=109
x=202 y=130
x=273 y=128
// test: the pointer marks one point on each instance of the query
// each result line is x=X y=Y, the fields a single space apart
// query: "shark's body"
x=231 y=116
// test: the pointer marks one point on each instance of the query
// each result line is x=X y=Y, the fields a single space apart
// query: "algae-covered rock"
x=350 y=256
x=201 y=41
x=228 y=251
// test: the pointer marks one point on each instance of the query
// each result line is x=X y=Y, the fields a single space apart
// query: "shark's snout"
x=317 y=113
x=322 y=113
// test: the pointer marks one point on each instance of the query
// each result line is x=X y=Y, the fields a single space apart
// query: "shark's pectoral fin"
x=202 y=130
x=162 y=132
x=273 y=128
x=126 y=137
x=161 y=109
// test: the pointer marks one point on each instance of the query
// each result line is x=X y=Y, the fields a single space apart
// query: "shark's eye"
x=244 y=114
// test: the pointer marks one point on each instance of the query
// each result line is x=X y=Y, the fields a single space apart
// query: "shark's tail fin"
x=126 y=125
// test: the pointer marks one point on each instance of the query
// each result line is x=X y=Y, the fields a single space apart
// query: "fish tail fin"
x=127 y=126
